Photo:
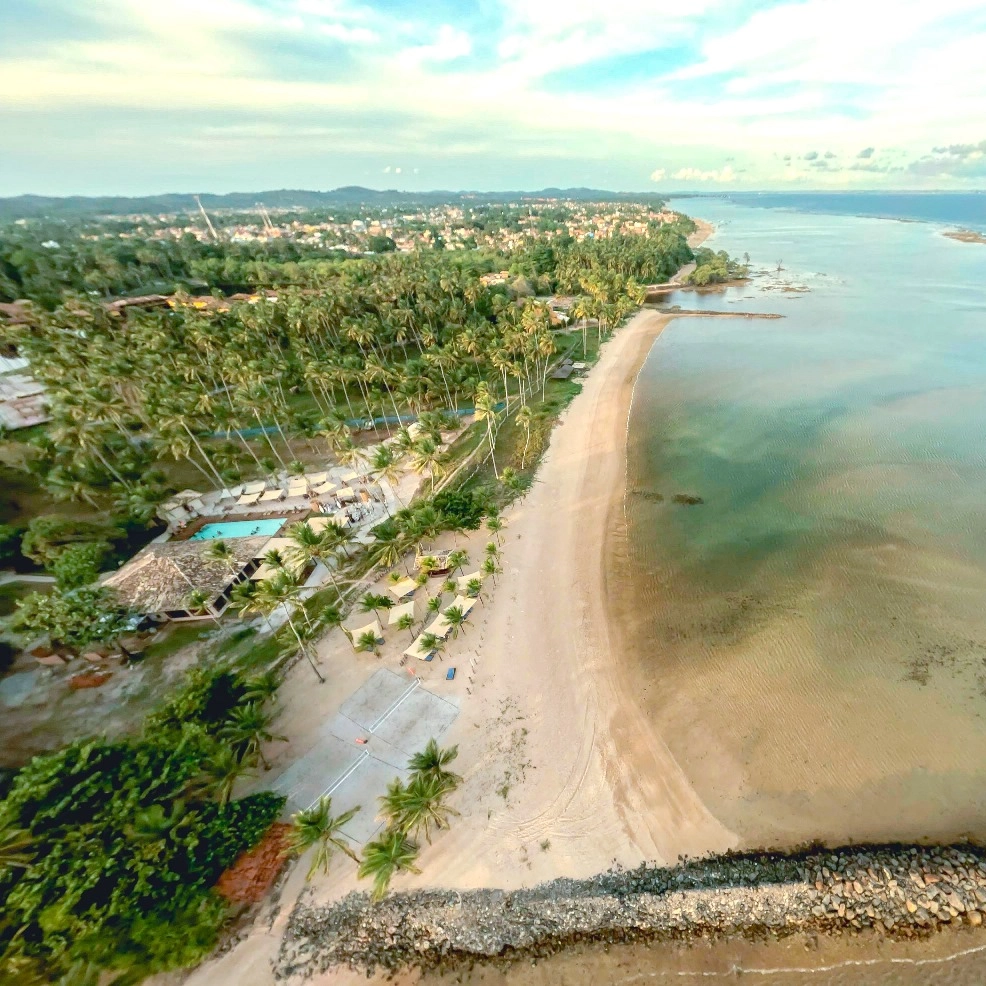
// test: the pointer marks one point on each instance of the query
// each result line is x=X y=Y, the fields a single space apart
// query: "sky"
x=143 y=96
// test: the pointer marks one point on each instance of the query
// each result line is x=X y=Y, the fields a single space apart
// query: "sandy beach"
x=563 y=774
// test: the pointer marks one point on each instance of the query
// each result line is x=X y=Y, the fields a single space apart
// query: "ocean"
x=808 y=619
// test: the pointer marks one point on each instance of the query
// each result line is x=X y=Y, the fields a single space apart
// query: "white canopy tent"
x=465 y=603
x=418 y=650
x=464 y=580
x=440 y=627
x=406 y=609
x=403 y=588
x=373 y=628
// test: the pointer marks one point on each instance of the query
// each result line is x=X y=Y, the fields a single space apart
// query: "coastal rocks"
x=899 y=891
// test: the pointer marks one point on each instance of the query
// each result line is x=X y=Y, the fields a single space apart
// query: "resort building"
x=158 y=580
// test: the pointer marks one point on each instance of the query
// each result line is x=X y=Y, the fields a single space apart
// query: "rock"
x=974 y=918
x=911 y=906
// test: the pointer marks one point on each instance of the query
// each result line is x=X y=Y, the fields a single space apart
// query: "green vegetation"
x=714 y=268
x=112 y=848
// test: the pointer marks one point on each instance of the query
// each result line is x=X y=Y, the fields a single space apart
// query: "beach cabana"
x=248 y=499
x=406 y=609
x=346 y=493
x=403 y=588
x=348 y=476
x=316 y=478
x=272 y=496
x=464 y=580
x=418 y=650
x=465 y=603
x=373 y=628
x=257 y=487
x=297 y=488
x=323 y=489
x=441 y=627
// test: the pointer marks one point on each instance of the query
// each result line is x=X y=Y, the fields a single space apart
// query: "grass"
x=177 y=637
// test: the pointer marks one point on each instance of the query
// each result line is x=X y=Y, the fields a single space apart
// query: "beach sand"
x=563 y=774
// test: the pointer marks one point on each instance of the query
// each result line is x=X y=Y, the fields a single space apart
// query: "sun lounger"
x=248 y=499
x=346 y=493
x=256 y=487
x=348 y=476
x=450 y=674
x=297 y=489
x=323 y=489
x=272 y=496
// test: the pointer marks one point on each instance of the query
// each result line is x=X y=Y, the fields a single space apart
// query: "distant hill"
x=53 y=207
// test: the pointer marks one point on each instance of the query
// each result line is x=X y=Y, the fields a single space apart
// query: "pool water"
x=239 y=529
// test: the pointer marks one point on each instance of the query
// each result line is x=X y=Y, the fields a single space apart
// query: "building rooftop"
x=159 y=578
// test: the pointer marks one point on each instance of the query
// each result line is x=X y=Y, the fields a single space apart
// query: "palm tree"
x=435 y=604
x=261 y=687
x=491 y=569
x=368 y=641
x=246 y=730
x=433 y=761
x=457 y=559
x=386 y=856
x=371 y=602
x=316 y=826
x=197 y=602
x=486 y=411
x=422 y=805
x=221 y=772
x=457 y=618
x=525 y=418
x=495 y=526
x=407 y=622
x=474 y=587
x=427 y=456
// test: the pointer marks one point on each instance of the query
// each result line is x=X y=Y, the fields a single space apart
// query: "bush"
x=48 y=536
x=463 y=507
x=78 y=564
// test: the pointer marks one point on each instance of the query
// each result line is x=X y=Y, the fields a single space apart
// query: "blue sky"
x=137 y=96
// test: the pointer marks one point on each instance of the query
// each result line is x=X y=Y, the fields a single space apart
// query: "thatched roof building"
x=159 y=579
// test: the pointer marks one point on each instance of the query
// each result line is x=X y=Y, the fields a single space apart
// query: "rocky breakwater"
x=895 y=890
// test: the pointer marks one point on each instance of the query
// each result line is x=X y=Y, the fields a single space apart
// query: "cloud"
x=658 y=174
x=811 y=155
x=829 y=155
x=963 y=161
x=725 y=174
x=866 y=152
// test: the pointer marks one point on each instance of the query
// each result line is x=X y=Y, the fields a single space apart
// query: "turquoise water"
x=239 y=529
x=813 y=634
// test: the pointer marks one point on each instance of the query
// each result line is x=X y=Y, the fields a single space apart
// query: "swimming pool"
x=239 y=529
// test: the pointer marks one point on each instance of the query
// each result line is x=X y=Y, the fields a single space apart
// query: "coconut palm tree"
x=221 y=772
x=491 y=569
x=433 y=761
x=474 y=587
x=407 y=622
x=427 y=457
x=458 y=559
x=525 y=418
x=495 y=526
x=386 y=856
x=371 y=602
x=422 y=805
x=246 y=730
x=197 y=602
x=457 y=618
x=368 y=641
x=317 y=826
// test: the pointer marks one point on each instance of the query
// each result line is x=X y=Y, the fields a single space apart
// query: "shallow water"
x=811 y=638
x=952 y=959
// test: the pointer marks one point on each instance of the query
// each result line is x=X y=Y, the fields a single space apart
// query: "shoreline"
x=897 y=892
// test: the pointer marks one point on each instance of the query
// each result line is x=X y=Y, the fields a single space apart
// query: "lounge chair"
x=450 y=674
